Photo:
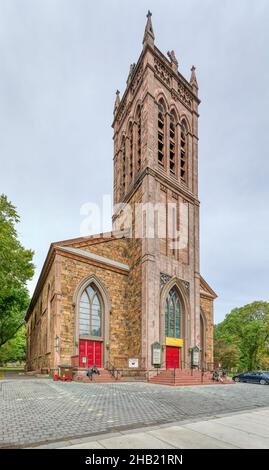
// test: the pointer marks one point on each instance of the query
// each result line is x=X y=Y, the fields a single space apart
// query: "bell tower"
x=156 y=164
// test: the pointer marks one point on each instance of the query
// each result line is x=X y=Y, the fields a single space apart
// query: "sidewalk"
x=242 y=430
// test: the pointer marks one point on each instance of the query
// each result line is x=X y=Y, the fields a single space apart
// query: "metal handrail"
x=118 y=372
x=112 y=369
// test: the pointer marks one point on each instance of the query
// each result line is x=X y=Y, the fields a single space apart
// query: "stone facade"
x=155 y=163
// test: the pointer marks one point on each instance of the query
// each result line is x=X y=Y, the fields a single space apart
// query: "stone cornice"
x=164 y=179
x=206 y=290
x=206 y=295
x=92 y=258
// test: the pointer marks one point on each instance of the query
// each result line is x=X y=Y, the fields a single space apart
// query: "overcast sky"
x=60 y=64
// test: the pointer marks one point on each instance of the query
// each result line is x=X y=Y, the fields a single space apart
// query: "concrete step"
x=184 y=377
x=104 y=377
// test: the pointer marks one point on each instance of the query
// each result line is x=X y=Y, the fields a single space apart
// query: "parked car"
x=255 y=377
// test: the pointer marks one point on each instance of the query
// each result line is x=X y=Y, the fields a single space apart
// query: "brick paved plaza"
x=35 y=411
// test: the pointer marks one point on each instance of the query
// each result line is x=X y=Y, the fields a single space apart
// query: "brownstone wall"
x=40 y=351
x=117 y=249
x=124 y=290
x=134 y=291
x=207 y=308
x=73 y=272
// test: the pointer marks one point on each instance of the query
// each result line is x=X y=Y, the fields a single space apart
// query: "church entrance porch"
x=90 y=353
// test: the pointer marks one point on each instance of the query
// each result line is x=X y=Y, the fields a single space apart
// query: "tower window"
x=172 y=144
x=161 y=128
x=139 y=138
x=131 y=145
x=123 y=166
x=183 y=153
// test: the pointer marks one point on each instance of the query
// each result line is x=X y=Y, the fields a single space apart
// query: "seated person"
x=92 y=370
x=215 y=375
x=95 y=370
x=90 y=373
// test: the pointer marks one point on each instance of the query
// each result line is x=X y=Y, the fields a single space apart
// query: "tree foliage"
x=242 y=339
x=16 y=268
x=14 y=349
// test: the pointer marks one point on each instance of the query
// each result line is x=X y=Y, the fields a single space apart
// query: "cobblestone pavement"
x=37 y=411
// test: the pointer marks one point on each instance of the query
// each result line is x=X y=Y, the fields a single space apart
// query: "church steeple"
x=149 y=33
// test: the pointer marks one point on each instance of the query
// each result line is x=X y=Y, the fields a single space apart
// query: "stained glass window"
x=172 y=314
x=90 y=313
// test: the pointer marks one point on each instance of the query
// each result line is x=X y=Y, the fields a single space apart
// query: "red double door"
x=90 y=353
x=172 y=357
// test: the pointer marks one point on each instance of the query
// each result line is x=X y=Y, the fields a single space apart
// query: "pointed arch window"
x=172 y=314
x=161 y=133
x=172 y=144
x=123 y=165
x=90 y=313
x=131 y=146
x=139 y=137
x=183 y=153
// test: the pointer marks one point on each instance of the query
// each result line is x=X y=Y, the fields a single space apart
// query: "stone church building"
x=121 y=300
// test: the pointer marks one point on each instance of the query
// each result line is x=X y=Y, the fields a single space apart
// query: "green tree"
x=225 y=350
x=15 y=348
x=245 y=331
x=16 y=268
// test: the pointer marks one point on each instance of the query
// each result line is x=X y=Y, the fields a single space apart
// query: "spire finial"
x=117 y=101
x=193 y=79
x=173 y=59
x=149 y=34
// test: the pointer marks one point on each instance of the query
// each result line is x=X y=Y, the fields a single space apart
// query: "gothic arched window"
x=161 y=133
x=131 y=146
x=183 y=153
x=90 y=313
x=172 y=144
x=172 y=314
x=123 y=149
x=139 y=137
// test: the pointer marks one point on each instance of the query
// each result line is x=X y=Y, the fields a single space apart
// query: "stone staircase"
x=104 y=377
x=184 y=377
x=179 y=377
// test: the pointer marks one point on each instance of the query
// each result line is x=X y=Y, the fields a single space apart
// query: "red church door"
x=90 y=353
x=172 y=357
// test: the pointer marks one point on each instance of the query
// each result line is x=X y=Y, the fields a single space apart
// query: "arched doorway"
x=173 y=329
x=91 y=323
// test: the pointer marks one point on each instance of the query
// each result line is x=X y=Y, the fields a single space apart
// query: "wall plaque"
x=195 y=356
x=133 y=363
x=156 y=353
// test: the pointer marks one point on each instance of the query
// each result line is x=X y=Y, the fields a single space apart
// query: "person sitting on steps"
x=217 y=376
x=92 y=370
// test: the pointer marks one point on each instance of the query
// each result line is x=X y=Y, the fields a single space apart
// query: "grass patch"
x=19 y=369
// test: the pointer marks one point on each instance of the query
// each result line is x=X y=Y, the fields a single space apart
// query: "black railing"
x=112 y=369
